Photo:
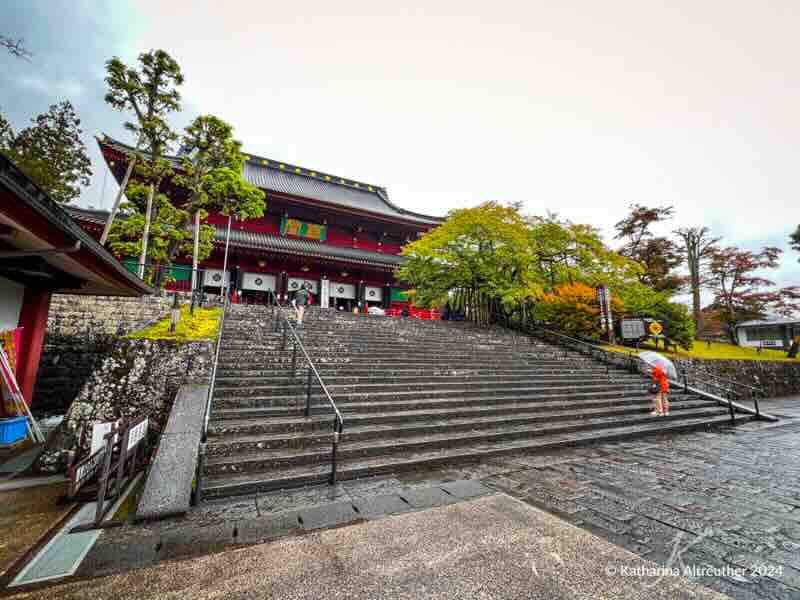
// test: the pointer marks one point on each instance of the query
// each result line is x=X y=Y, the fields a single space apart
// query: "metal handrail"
x=201 y=451
x=338 y=422
x=213 y=383
x=633 y=364
x=756 y=389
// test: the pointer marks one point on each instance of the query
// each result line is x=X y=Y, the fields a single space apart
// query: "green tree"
x=168 y=233
x=478 y=258
x=50 y=151
x=566 y=252
x=491 y=259
x=640 y=300
x=150 y=93
x=211 y=173
x=794 y=238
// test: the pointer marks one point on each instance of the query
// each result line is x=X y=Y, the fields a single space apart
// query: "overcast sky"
x=576 y=106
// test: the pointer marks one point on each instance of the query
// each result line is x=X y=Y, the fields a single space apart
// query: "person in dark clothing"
x=301 y=299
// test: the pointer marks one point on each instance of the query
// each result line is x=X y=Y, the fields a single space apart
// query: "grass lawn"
x=204 y=325
x=715 y=351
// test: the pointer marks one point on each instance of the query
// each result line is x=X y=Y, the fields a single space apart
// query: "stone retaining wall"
x=776 y=378
x=81 y=330
x=136 y=378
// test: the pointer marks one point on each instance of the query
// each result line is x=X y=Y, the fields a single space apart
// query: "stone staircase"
x=414 y=395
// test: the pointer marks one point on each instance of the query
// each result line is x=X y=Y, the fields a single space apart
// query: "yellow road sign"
x=656 y=328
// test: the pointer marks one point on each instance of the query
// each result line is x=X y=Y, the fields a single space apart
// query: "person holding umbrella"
x=661 y=370
x=661 y=387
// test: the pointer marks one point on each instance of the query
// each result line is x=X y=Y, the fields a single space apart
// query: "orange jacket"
x=660 y=379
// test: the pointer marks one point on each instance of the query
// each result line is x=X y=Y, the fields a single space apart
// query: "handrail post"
x=201 y=467
x=336 y=431
x=308 y=392
x=294 y=359
x=755 y=402
x=730 y=406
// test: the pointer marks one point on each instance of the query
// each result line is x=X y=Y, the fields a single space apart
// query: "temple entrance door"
x=343 y=295
x=257 y=287
x=311 y=285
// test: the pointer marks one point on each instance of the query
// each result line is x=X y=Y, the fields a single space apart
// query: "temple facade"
x=339 y=236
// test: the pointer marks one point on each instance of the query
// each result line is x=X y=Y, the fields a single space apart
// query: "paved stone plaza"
x=489 y=547
x=723 y=505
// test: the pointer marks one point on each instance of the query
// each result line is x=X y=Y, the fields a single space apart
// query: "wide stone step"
x=394 y=405
x=253 y=360
x=444 y=377
x=328 y=370
x=439 y=385
x=424 y=401
x=256 y=397
x=261 y=334
x=309 y=433
x=236 y=483
x=291 y=418
x=282 y=458
x=321 y=349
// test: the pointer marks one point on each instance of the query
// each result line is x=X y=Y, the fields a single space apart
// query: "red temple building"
x=341 y=237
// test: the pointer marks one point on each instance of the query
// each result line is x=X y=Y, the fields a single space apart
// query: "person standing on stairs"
x=661 y=390
x=301 y=298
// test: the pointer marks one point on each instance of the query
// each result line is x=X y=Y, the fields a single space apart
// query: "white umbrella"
x=654 y=359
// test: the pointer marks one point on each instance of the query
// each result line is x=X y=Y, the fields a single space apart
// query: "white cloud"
x=51 y=88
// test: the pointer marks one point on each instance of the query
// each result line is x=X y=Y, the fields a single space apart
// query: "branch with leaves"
x=50 y=151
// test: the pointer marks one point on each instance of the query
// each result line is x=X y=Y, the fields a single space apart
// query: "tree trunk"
x=146 y=233
x=115 y=207
x=196 y=250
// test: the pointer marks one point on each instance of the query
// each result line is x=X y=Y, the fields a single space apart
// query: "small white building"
x=774 y=333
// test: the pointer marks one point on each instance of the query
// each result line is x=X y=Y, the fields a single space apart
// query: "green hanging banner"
x=311 y=231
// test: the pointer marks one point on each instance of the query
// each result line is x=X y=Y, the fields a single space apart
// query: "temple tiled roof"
x=315 y=185
x=271 y=243
x=264 y=241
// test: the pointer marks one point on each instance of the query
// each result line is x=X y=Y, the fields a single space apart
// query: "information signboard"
x=632 y=329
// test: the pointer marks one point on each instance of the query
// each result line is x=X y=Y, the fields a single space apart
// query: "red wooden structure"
x=339 y=236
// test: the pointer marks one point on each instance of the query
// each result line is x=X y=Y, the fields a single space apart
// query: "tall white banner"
x=325 y=293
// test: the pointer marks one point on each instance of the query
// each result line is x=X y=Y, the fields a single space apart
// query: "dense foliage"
x=168 y=231
x=642 y=301
x=574 y=308
x=211 y=173
x=50 y=151
x=492 y=259
x=658 y=255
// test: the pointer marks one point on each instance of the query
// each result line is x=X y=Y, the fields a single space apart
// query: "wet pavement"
x=727 y=500
x=490 y=547
x=724 y=505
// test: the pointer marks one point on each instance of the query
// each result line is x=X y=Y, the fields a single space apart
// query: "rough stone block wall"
x=136 y=378
x=776 y=378
x=81 y=330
